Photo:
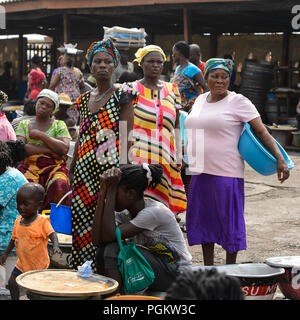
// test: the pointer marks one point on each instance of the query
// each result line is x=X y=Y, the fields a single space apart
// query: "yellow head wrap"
x=142 y=52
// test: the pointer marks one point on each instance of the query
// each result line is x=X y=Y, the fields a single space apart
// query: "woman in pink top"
x=215 y=209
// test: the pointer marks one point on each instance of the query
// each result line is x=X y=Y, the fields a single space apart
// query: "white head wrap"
x=148 y=175
x=53 y=96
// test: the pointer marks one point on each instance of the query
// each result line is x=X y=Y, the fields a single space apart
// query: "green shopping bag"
x=136 y=272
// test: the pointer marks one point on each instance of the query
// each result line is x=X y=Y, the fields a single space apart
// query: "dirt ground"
x=272 y=215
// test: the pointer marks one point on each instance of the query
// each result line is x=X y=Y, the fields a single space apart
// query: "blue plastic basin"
x=61 y=218
x=257 y=156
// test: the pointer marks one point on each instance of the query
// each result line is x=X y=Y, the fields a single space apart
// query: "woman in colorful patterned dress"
x=156 y=116
x=98 y=147
x=46 y=142
x=68 y=79
x=187 y=76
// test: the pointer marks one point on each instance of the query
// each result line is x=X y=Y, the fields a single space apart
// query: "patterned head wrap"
x=3 y=97
x=103 y=46
x=142 y=52
x=218 y=63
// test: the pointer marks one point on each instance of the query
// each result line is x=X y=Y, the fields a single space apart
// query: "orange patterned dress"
x=154 y=140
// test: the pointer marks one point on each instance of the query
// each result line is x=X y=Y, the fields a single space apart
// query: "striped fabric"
x=218 y=63
x=154 y=141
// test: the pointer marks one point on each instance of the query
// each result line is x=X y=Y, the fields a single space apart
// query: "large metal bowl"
x=58 y=284
x=258 y=280
x=289 y=282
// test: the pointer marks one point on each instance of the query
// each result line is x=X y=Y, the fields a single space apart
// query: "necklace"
x=102 y=95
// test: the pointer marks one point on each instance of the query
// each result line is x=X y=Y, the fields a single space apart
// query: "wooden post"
x=54 y=55
x=285 y=59
x=187 y=25
x=213 y=45
x=20 y=57
x=66 y=28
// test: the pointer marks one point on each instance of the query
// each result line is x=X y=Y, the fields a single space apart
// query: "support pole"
x=21 y=57
x=286 y=79
x=187 y=26
x=213 y=45
x=66 y=28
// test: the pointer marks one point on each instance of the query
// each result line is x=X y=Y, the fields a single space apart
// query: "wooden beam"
x=187 y=25
x=66 y=4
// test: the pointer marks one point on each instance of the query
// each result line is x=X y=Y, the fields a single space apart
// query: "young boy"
x=30 y=236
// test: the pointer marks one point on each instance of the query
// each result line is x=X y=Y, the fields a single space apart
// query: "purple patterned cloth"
x=215 y=212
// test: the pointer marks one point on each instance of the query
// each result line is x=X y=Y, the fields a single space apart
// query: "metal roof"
x=205 y=17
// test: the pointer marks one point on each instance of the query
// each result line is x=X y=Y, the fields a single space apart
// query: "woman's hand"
x=34 y=133
x=263 y=135
x=71 y=178
x=56 y=250
x=283 y=171
x=111 y=177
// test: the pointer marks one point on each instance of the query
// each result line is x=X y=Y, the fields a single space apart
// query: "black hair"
x=127 y=76
x=36 y=60
x=17 y=151
x=135 y=177
x=183 y=48
x=29 y=107
x=227 y=56
x=206 y=284
x=5 y=158
x=70 y=60
x=70 y=122
x=35 y=189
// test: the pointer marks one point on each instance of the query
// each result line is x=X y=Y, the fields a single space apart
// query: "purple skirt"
x=215 y=212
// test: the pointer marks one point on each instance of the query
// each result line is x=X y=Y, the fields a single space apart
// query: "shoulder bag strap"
x=118 y=236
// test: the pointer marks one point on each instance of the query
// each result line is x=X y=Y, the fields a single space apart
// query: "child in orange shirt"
x=30 y=235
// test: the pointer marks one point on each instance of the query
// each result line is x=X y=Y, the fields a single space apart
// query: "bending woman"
x=156 y=135
x=150 y=223
x=46 y=142
x=99 y=144
x=215 y=212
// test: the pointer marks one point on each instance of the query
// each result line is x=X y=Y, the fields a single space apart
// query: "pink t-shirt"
x=213 y=149
x=7 y=131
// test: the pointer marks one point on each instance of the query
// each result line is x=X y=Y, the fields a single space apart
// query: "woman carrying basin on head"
x=215 y=211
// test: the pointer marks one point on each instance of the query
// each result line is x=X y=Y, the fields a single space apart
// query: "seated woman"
x=152 y=225
x=47 y=142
